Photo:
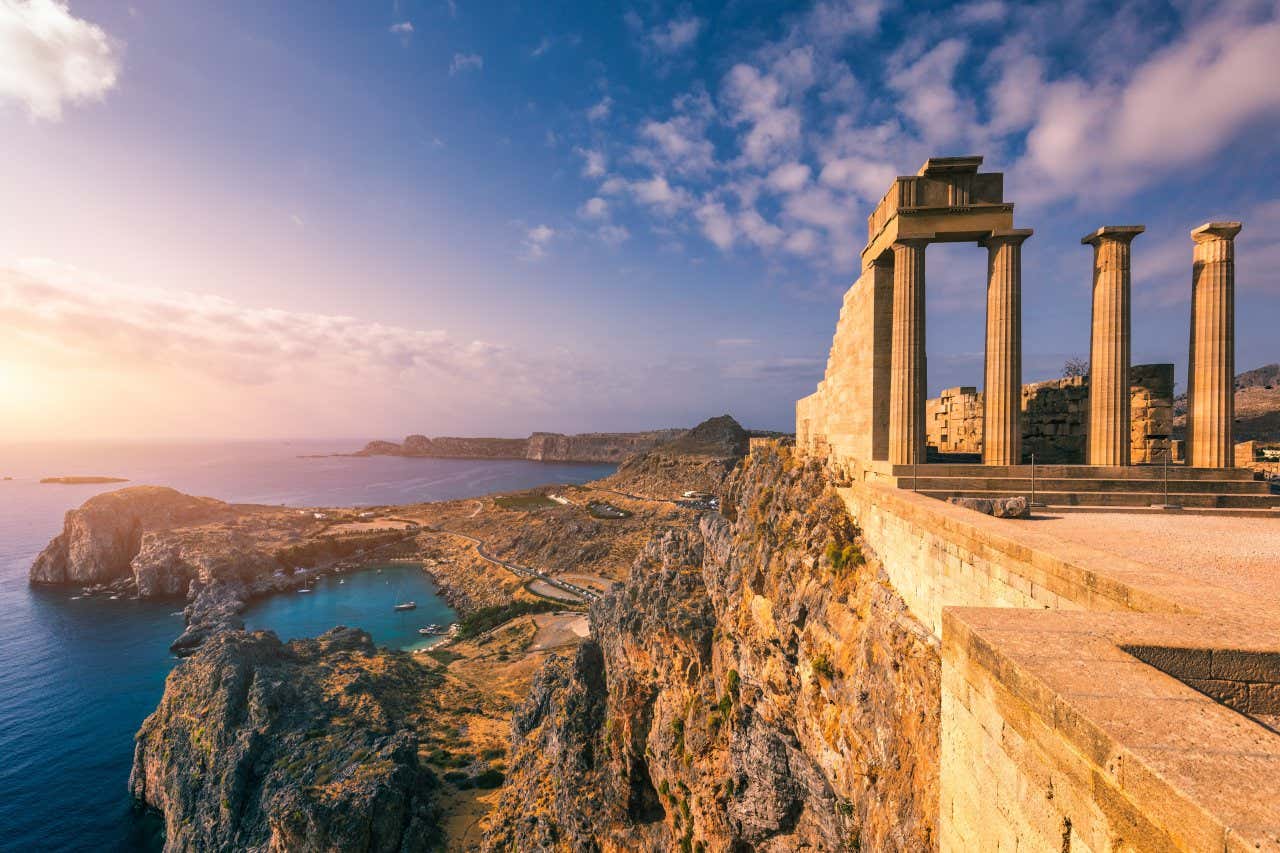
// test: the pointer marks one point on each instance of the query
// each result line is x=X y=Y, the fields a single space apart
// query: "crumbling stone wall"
x=1055 y=416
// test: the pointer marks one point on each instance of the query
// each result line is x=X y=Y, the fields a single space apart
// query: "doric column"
x=1109 y=346
x=1212 y=359
x=1002 y=393
x=907 y=359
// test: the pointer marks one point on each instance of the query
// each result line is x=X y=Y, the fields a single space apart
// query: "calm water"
x=78 y=677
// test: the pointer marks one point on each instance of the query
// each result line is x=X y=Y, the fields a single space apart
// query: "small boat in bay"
x=408 y=605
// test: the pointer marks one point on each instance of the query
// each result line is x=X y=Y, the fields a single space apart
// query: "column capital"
x=1123 y=233
x=1216 y=231
x=1014 y=236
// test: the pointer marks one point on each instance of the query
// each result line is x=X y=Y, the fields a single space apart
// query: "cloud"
x=758 y=100
x=541 y=48
x=787 y=370
x=593 y=162
x=599 y=111
x=675 y=35
x=929 y=98
x=49 y=57
x=667 y=38
x=789 y=177
x=402 y=28
x=658 y=193
x=736 y=342
x=613 y=235
x=594 y=208
x=717 y=225
x=1225 y=66
x=536 y=241
x=465 y=62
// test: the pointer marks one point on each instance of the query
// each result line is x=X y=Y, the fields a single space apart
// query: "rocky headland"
x=699 y=460
x=538 y=447
x=306 y=745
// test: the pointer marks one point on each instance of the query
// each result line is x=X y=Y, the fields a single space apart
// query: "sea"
x=77 y=677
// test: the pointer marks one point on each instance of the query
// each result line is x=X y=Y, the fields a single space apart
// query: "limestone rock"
x=307 y=745
x=100 y=539
x=743 y=696
x=1011 y=507
x=699 y=460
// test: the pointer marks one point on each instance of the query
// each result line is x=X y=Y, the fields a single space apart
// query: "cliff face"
x=755 y=683
x=307 y=745
x=539 y=447
x=699 y=460
x=100 y=539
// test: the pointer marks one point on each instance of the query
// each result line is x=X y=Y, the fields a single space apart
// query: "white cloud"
x=758 y=230
x=717 y=224
x=541 y=48
x=658 y=193
x=48 y=57
x=802 y=242
x=465 y=62
x=599 y=111
x=593 y=162
x=675 y=35
x=1223 y=70
x=594 y=208
x=536 y=241
x=758 y=101
x=404 y=28
x=929 y=96
x=789 y=177
x=866 y=178
x=983 y=12
x=613 y=235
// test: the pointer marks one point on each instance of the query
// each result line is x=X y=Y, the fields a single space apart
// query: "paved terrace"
x=1110 y=681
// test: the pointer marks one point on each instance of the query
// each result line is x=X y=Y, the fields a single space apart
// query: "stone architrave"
x=907 y=358
x=1109 y=439
x=1002 y=431
x=1211 y=370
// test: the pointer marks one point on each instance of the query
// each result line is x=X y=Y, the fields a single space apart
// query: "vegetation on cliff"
x=756 y=683
x=306 y=745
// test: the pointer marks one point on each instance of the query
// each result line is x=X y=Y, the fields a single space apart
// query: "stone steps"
x=1201 y=499
x=1020 y=485
x=1081 y=472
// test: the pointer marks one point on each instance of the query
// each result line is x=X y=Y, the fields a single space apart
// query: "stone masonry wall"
x=1055 y=415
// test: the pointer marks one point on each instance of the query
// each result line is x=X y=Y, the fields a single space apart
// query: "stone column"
x=1212 y=360
x=1108 y=440
x=1002 y=393
x=907 y=358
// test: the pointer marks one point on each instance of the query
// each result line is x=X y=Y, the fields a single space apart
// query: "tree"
x=1075 y=367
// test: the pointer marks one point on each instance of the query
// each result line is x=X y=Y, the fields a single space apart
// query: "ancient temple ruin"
x=869 y=416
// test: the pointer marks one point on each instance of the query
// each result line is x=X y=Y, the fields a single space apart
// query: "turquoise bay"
x=77 y=677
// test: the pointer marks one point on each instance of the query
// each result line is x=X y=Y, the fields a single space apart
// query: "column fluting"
x=1109 y=428
x=907 y=360
x=1211 y=360
x=1002 y=392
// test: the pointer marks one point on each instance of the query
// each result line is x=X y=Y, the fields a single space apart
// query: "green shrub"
x=486 y=618
x=490 y=778
x=846 y=556
x=822 y=666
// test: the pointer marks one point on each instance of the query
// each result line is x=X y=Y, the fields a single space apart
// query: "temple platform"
x=1092 y=485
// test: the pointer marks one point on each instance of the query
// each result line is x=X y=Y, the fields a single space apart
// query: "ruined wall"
x=1055 y=416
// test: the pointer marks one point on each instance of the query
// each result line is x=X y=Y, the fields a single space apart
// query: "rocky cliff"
x=306 y=745
x=699 y=460
x=539 y=447
x=755 y=684
x=100 y=539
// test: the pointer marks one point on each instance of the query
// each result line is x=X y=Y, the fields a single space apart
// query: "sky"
x=368 y=219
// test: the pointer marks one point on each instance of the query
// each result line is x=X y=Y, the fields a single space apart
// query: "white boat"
x=408 y=605
x=304 y=589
